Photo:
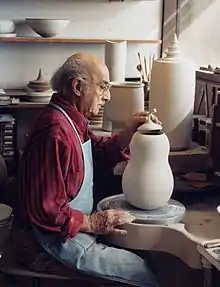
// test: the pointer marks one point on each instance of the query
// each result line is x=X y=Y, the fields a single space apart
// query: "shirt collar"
x=79 y=120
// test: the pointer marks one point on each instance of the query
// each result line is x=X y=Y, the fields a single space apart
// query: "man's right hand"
x=105 y=222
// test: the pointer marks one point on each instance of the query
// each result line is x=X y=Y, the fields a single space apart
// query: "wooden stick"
x=145 y=65
x=141 y=72
x=149 y=67
x=139 y=56
x=141 y=66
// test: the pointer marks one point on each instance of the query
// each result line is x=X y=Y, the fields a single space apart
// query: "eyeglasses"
x=105 y=86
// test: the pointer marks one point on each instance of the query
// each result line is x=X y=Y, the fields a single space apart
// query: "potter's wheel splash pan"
x=171 y=213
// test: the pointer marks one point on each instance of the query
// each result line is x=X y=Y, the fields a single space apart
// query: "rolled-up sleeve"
x=46 y=167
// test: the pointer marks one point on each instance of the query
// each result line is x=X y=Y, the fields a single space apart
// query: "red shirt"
x=51 y=170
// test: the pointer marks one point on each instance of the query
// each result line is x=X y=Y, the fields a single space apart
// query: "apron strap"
x=68 y=118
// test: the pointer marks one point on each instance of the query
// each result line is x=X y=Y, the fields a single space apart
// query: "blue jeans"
x=85 y=254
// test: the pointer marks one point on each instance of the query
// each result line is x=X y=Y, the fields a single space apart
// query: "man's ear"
x=77 y=86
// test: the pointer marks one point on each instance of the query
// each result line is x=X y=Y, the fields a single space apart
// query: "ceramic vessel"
x=47 y=27
x=172 y=92
x=115 y=60
x=6 y=26
x=147 y=181
x=40 y=84
x=127 y=98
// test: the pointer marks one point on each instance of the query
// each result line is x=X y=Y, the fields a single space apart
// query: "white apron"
x=82 y=252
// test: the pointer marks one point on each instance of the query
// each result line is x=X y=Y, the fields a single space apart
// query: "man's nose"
x=106 y=96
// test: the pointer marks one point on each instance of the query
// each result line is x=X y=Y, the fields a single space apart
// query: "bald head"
x=79 y=65
x=84 y=81
x=89 y=61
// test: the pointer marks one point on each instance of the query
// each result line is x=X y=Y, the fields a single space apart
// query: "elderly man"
x=54 y=219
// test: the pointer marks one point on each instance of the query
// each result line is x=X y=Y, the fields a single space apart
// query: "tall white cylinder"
x=115 y=60
x=172 y=93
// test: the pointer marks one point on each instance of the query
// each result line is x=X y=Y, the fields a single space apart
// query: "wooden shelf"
x=70 y=40
x=208 y=77
x=24 y=105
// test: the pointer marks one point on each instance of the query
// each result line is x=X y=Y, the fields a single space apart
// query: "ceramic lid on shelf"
x=40 y=84
x=149 y=125
x=40 y=79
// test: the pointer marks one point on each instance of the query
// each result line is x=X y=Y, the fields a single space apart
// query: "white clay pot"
x=6 y=26
x=115 y=59
x=172 y=92
x=127 y=98
x=147 y=181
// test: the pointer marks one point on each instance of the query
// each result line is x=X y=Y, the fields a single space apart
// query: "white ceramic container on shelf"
x=127 y=98
x=47 y=27
x=115 y=60
x=6 y=26
x=147 y=181
x=172 y=92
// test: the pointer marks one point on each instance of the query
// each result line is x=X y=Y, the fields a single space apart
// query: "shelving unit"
x=30 y=40
x=71 y=40
x=24 y=105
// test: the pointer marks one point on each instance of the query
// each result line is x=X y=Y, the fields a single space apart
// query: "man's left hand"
x=139 y=119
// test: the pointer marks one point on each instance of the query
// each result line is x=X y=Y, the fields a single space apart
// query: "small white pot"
x=6 y=26
x=127 y=98
x=115 y=59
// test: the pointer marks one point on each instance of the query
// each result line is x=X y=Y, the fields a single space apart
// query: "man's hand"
x=139 y=119
x=106 y=222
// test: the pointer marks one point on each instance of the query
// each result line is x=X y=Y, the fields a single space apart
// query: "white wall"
x=95 y=19
x=200 y=37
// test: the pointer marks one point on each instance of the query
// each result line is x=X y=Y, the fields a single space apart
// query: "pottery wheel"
x=171 y=213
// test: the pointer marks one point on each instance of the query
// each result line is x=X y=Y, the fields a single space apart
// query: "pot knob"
x=149 y=126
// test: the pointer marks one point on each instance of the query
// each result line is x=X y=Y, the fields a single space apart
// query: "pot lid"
x=149 y=125
x=40 y=80
x=174 y=48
